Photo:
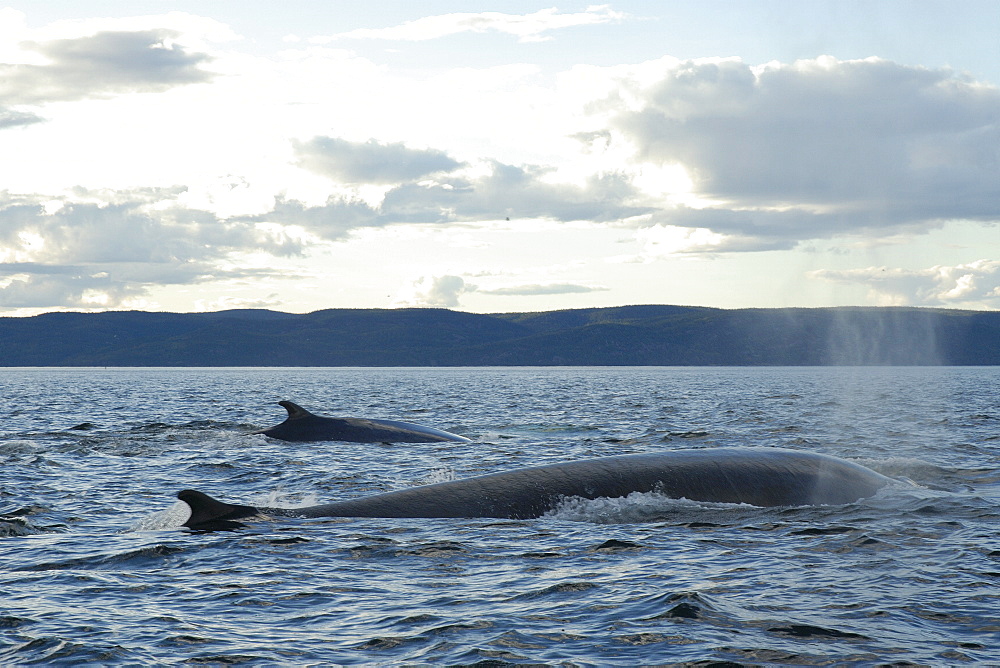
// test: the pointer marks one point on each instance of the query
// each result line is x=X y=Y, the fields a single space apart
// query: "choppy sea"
x=96 y=568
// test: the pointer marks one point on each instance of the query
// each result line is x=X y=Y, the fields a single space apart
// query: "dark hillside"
x=629 y=335
x=547 y=321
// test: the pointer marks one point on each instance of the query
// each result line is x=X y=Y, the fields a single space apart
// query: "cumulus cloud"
x=126 y=232
x=527 y=27
x=333 y=220
x=371 y=161
x=817 y=147
x=971 y=285
x=39 y=285
x=106 y=63
x=11 y=118
x=434 y=291
x=504 y=191
x=776 y=154
x=76 y=251
x=523 y=192
x=107 y=284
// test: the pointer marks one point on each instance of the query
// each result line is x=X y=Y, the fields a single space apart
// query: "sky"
x=498 y=157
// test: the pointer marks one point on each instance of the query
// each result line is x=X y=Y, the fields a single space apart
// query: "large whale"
x=756 y=476
x=301 y=425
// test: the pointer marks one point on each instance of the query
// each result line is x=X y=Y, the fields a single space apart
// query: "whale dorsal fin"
x=294 y=410
x=205 y=510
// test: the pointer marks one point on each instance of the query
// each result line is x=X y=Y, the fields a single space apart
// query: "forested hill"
x=628 y=335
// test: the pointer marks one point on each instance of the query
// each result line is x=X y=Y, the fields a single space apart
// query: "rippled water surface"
x=96 y=567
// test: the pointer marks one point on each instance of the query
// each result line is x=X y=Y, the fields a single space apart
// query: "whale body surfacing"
x=301 y=425
x=755 y=476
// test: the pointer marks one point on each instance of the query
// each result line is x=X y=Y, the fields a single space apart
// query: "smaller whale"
x=301 y=425
x=755 y=476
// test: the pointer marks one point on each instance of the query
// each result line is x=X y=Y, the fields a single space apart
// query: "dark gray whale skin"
x=756 y=476
x=301 y=425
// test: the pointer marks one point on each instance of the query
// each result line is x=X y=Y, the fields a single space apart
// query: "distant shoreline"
x=651 y=335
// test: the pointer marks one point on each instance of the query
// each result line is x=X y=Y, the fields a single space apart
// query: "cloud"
x=11 y=118
x=527 y=27
x=434 y=291
x=108 y=284
x=102 y=249
x=661 y=241
x=683 y=229
x=446 y=291
x=503 y=191
x=106 y=63
x=817 y=147
x=39 y=285
x=370 y=162
x=522 y=192
x=333 y=220
x=227 y=303
x=123 y=232
x=971 y=285
x=543 y=289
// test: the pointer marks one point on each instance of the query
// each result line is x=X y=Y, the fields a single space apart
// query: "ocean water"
x=96 y=568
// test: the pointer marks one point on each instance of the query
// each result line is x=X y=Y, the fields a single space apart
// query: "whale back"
x=755 y=476
x=301 y=425
x=759 y=477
